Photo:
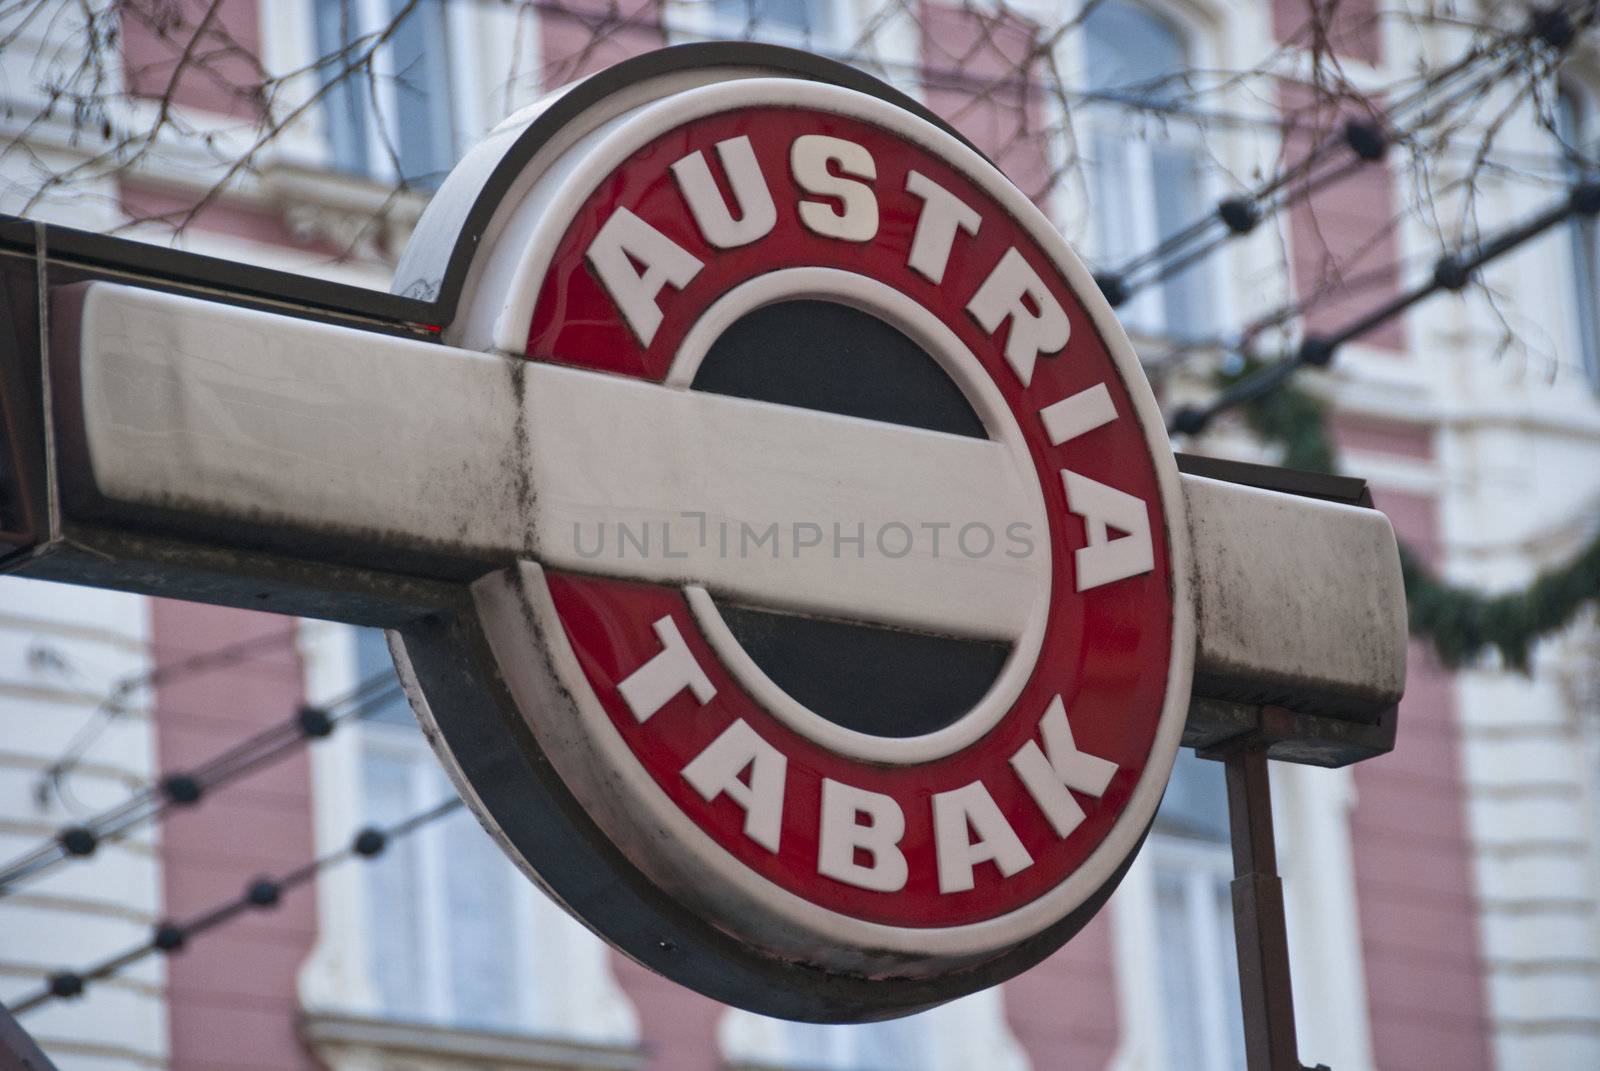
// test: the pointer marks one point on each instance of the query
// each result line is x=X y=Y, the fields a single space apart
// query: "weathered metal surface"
x=17 y=1050
x=193 y=422
x=1287 y=735
x=23 y=510
x=1301 y=603
x=1261 y=934
x=211 y=448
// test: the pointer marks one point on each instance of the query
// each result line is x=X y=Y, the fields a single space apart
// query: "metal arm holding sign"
x=791 y=570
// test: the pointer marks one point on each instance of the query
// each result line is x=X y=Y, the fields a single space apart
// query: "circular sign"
x=853 y=662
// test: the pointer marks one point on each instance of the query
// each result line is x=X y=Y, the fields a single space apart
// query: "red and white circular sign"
x=859 y=630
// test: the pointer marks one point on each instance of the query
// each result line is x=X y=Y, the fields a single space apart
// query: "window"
x=1192 y=867
x=797 y=22
x=443 y=901
x=441 y=933
x=965 y=1033
x=396 y=121
x=1145 y=177
x=1571 y=119
x=756 y=1041
x=896 y=1045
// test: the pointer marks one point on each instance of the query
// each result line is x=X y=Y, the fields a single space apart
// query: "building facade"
x=1442 y=899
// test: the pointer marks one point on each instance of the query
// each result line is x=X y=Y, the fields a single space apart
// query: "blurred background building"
x=1442 y=899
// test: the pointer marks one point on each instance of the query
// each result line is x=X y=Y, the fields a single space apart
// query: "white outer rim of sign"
x=616 y=141
x=928 y=331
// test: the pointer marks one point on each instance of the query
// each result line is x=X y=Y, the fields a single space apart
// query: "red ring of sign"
x=1105 y=651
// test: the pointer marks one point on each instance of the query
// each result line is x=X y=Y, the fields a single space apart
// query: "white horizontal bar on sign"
x=200 y=413
x=1300 y=601
x=210 y=413
x=784 y=508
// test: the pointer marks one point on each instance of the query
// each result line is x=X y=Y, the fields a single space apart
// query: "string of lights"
x=1243 y=341
x=1451 y=272
x=1366 y=140
x=185 y=788
x=121 y=691
x=261 y=894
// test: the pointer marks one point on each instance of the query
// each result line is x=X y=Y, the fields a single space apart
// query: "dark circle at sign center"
x=830 y=357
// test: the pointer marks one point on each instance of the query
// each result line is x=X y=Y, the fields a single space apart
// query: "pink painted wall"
x=979 y=77
x=220 y=76
x=221 y=72
x=1426 y=982
x=1402 y=440
x=232 y=997
x=147 y=202
x=1064 y=1011
x=677 y=1027
x=1347 y=28
x=580 y=37
x=1343 y=236
x=234 y=1005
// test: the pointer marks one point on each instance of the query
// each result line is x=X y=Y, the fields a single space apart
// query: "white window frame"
x=1311 y=807
x=1204 y=870
x=1145 y=313
x=568 y=988
x=428 y=785
x=465 y=120
x=963 y=1034
x=699 y=20
x=1212 y=29
x=289 y=34
x=485 y=41
x=1583 y=316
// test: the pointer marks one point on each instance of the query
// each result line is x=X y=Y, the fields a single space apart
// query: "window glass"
x=1176 y=182
x=1583 y=238
x=1179 y=997
x=1197 y=964
x=478 y=891
x=421 y=132
x=373 y=660
x=398 y=956
x=446 y=944
x=1133 y=53
x=895 y=1045
x=396 y=117
x=1196 y=801
x=1146 y=172
x=809 y=18
x=345 y=99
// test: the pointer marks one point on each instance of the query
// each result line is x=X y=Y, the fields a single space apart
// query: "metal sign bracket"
x=1243 y=737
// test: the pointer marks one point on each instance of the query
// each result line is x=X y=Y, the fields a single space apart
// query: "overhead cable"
x=260 y=894
x=1451 y=272
x=183 y=788
x=1365 y=141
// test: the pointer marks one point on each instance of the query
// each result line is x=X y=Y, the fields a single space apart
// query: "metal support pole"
x=18 y=1052
x=1260 y=933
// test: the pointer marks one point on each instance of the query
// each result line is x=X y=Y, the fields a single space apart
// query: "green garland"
x=1461 y=623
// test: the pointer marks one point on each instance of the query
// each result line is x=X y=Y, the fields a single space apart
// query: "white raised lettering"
x=648 y=688
x=1005 y=294
x=857 y=218
x=757 y=213
x=843 y=834
x=624 y=241
x=715 y=771
x=956 y=816
x=1103 y=508
x=1049 y=772
x=943 y=213
x=1077 y=414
